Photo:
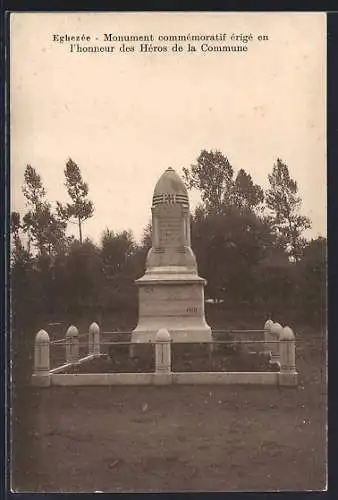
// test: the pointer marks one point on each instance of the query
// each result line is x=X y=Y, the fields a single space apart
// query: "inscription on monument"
x=192 y=309
x=169 y=308
x=170 y=231
x=172 y=293
x=168 y=198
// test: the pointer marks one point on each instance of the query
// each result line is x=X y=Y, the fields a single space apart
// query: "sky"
x=124 y=118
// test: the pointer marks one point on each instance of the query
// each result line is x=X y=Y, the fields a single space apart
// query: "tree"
x=81 y=208
x=18 y=250
x=137 y=260
x=45 y=229
x=33 y=188
x=212 y=175
x=120 y=262
x=245 y=193
x=284 y=204
x=117 y=249
x=82 y=278
x=146 y=241
x=313 y=279
x=230 y=236
x=228 y=250
x=34 y=193
x=21 y=260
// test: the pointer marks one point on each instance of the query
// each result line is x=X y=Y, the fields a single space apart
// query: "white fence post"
x=94 y=339
x=41 y=359
x=163 y=357
x=72 y=344
x=267 y=337
x=288 y=373
x=90 y=340
x=287 y=351
x=276 y=330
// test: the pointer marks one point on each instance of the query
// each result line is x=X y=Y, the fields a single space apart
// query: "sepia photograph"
x=168 y=252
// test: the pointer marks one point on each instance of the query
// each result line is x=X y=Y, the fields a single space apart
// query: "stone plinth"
x=171 y=294
x=177 y=304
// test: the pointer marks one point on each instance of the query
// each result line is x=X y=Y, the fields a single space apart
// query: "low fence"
x=278 y=344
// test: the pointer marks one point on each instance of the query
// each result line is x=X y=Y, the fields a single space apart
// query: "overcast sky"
x=124 y=118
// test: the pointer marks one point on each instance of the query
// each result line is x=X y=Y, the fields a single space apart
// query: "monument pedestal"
x=172 y=302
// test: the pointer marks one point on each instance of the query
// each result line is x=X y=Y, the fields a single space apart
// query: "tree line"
x=249 y=243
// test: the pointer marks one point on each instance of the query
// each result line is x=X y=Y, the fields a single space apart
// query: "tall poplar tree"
x=283 y=201
x=44 y=228
x=80 y=209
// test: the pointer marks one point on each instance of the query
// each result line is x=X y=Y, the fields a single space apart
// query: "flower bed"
x=184 y=358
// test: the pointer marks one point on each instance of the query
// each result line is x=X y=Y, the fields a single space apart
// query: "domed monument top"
x=170 y=189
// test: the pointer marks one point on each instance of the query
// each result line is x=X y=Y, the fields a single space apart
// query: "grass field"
x=180 y=438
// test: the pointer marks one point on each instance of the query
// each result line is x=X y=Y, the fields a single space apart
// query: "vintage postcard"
x=168 y=252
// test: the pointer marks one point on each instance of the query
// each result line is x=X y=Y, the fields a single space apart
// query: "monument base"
x=179 y=333
x=171 y=302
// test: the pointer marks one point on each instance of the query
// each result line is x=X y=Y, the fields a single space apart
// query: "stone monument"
x=171 y=294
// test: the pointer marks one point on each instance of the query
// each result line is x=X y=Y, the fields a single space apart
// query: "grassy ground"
x=182 y=438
